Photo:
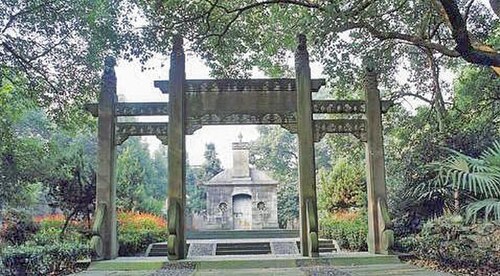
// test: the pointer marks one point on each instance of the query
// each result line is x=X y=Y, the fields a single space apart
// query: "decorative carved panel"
x=240 y=85
x=330 y=106
x=133 y=109
x=345 y=106
x=141 y=109
x=322 y=127
x=195 y=123
x=125 y=130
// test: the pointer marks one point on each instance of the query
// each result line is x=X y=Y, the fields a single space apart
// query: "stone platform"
x=360 y=263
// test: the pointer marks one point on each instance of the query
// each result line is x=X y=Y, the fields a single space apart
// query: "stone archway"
x=242 y=212
x=195 y=103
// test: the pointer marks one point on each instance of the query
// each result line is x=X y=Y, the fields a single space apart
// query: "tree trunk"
x=438 y=101
x=66 y=223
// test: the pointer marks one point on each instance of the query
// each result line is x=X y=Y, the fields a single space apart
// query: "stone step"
x=255 y=248
x=325 y=246
x=243 y=252
x=243 y=234
x=243 y=245
x=159 y=249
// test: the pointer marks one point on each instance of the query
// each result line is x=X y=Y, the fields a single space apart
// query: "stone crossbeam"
x=240 y=85
x=134 y=109
x=353 y=126
x=127 y=129
x=345 y=106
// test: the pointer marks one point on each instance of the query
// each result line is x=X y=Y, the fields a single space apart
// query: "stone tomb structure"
x=195 y=103
x=241 y=198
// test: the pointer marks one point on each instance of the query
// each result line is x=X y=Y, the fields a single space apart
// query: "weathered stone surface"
x=106 y=175
x=241 y=197
x=307 y=172
x=375 y=169
x=345 y=106
x=284 y=248
x=125 y=130
x=201 y=249
x=177 y=151
x=240 y=85
x=133 y=109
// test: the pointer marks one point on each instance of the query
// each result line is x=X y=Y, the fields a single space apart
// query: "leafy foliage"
x=50 y=259
x=276 y=151
x=341 y=188
x=349 y=233
x=17 y=228
x=138 y=230
x=479 y=177
x=447 y=241
x=141 y=180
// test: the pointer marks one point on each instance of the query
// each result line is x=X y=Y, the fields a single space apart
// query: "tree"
x=136 y=177
x=276 y=151
x=72 y=181
x=343 y=187
x=212 y=165
x=241 y=34
x=58 y=46
x=195 y=176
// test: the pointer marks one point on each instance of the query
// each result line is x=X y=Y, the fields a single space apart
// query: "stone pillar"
x=380 y=235
x=176 y=153
x=106 y=177
x=307 y=174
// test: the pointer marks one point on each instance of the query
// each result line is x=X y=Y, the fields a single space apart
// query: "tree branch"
x=415 y=40
x=461 y=37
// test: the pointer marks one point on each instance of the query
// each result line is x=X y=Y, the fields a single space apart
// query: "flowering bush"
x=349 y=230
x=137 y=230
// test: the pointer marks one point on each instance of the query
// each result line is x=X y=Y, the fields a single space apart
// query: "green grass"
x=125 y=266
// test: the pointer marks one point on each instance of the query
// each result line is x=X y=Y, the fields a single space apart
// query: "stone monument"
x=242 y=197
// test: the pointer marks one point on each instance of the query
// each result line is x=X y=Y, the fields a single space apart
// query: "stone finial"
x=240 y=137
x=177 y=43
x=369 y=64
x=108 y=84
x=110 y=61
x=302 y=42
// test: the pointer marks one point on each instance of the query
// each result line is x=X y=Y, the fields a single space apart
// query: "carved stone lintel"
x=125 y=130
x=322 y=127
x=195 y=122
x=339 y=107
x=292 y=127
x=240 y=85
x=345 y=106
x=360 y=135
x=163 y=139
x=141 y=109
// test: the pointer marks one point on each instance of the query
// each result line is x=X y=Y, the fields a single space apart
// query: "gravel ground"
x=284 y=248
x=176 y=269
x=323 y=270
x=201 y=249
x=319 y=267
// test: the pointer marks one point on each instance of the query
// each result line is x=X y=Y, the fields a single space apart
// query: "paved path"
x=258 y=266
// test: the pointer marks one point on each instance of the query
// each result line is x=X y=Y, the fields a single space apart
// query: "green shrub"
x=54 y=259
x=18 y=226
x=405 y=244
x=447 y=241
x=350 y=234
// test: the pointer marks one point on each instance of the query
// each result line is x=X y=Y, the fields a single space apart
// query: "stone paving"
x=345 y=264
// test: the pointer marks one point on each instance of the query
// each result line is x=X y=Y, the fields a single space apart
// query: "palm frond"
x=474 y=175
x=490 y=208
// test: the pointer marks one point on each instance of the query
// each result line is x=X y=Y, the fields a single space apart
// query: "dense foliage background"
x=438 y=60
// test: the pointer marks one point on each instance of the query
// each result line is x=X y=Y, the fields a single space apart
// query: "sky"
x=136 y=86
